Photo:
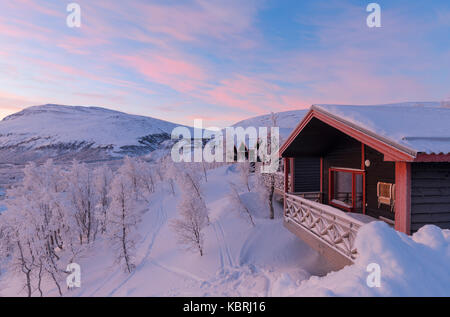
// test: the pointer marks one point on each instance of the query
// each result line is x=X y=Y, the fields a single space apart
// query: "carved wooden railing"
x=326 y=222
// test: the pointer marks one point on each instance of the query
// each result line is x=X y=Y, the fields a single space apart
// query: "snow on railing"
x=329 y=224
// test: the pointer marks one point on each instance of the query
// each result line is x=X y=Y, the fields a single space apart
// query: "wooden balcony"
x=328 y=230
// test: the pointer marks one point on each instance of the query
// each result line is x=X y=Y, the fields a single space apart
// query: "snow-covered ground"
x=264 y=260
x=239 y=260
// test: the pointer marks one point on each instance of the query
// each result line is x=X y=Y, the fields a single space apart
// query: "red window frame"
x=354 y=172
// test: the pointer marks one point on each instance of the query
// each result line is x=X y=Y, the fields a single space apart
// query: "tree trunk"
x=25 y=269
x=271 y=191
x=124 y=236
x=40 y=280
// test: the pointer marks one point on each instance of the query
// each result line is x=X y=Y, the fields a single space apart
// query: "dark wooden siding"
x=378 y=171
x=307 y=174
x=430 y=195
x=346 y=152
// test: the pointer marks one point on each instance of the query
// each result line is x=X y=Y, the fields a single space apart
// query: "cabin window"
x=346 y=189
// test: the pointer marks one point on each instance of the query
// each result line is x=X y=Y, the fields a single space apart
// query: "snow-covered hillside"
x=87 y=133
x=286 y=121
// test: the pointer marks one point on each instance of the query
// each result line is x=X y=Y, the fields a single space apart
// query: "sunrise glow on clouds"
x=221 y=60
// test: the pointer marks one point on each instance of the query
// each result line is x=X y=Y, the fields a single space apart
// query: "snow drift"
x=410 y=266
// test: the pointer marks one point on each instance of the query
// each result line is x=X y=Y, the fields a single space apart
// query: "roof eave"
x=391 y=149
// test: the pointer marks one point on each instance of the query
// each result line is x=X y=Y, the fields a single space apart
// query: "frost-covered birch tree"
x=83 y=200
x=124 y=215
x=103 y=176
x=37 y=225
x=192 y=208
x=189 y=227
x=269 y=183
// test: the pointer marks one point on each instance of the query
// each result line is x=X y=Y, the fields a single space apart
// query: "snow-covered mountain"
x=85 y=133
x=286 y=121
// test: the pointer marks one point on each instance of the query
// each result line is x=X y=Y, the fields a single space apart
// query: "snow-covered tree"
x=169 y=172
x=190 y=179
x=244 y=173
x=140 y=176
x=124 y=216
x=192 y=208
x=268 y=192
x=36 y=225
x=146 y=179
x=83 y=200
x=103 y=176
x=130 y=171
x=193 y=219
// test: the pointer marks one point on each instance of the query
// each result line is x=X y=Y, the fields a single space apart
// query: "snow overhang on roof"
x=401 y=131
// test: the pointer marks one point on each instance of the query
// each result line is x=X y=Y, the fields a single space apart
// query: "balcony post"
x=403 y=197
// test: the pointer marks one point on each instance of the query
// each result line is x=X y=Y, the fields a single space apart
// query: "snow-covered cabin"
x=389 y=162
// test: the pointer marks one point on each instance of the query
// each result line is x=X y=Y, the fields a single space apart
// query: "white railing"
x=328 y=224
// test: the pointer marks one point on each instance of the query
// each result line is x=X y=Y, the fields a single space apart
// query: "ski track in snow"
x=223 y=246
x=160 y=221
x=178 y=271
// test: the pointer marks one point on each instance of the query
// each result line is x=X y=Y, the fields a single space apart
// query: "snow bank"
x=410 y=266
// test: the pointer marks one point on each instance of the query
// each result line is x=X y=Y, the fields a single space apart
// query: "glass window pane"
x=343 y=187
x=359 y=192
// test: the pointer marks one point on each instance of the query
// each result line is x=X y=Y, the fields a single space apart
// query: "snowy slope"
x=239 y=260
x=265 y=260
x=56 y=131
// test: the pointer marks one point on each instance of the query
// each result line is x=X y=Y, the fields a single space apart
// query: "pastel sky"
x=222 y=61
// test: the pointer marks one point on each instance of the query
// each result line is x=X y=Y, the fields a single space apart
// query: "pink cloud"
x=251 y=94
x=41 y=8
x=190 y=20
x=175 y=72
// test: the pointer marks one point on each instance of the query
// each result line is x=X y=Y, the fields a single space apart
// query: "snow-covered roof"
x=415 y=127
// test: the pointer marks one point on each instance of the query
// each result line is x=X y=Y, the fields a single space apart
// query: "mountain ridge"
x=84 y=133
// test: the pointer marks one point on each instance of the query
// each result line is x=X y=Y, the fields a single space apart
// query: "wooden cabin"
x=347 y=165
